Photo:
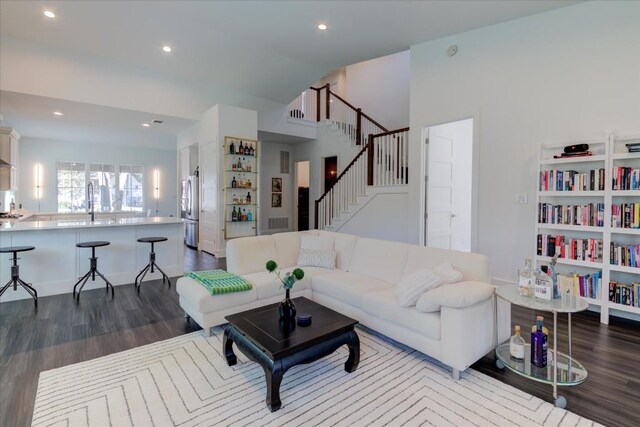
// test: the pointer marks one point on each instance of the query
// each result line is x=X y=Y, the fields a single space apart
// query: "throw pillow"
x=415 y=284
x=463 y=294
x=325 y=258
x=448 y=273
x=316 y=242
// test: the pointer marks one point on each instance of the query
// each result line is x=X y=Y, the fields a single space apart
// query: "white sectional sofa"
x=363 y=286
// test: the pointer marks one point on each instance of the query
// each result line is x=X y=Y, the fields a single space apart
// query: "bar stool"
x=152 y=261
x=15 y=272
x=94 y=267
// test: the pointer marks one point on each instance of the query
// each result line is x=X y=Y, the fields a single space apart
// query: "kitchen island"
x=56 y=264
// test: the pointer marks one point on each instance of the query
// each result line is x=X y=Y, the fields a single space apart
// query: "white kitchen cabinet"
x=9 y=155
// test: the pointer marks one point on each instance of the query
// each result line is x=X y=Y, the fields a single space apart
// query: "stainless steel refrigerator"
x=190 y=207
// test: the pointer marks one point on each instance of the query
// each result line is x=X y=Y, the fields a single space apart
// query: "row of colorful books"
x=570 y=180
x=585 y=285
x=626 y=178
x=624 y=255
x=625 y=294
x=576 y=249
x=625 y=215
x=591 y=214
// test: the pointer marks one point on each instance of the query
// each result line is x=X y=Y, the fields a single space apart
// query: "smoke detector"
x=452 y=50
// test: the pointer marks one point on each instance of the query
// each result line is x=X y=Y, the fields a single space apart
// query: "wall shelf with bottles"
x=607 y=184
x=240 y=186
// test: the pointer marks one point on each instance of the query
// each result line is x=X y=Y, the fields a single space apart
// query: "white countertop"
x=74 y=223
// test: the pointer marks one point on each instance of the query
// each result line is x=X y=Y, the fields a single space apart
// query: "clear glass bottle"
x=527 y=279
x=516 y=346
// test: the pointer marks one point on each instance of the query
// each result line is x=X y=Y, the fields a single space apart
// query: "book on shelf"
x=626 y=178
x=589 y=250
x=591 y=214
x=571 y=180
x=633 y=147
x=624 y=294
x=625 y=215
x=584 y=285
x=624 y=255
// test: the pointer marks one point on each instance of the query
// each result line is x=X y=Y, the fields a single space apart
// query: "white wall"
x=337 y=79
x=382 y=218
x=302 y=171
x=563 y=75
x=47 y=152
x=381 y=88
x=270 y=168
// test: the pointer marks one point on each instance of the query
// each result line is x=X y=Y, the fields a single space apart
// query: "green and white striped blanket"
x=219 y=282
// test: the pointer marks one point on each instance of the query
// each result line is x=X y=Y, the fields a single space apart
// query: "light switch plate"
x=521 y=198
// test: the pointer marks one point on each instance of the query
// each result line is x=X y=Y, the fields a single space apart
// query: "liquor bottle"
x=539 y=345
x=240 y=149
x=234 y=166
x=249 y=167
x=234 y=215
x=244 y=215
x=249 y=215
x=234 y=183
x=244 y=163
x=527 y=279
x=516 y=346
x=252 y=151
x=248 y=182
x=232 y=148
x=239 y=167
x=248 y=197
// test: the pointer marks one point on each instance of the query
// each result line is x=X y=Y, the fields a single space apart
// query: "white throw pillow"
x=463 y=294
x=415 y=284
x=325 y=258
x=448 y=273
x=316 y=242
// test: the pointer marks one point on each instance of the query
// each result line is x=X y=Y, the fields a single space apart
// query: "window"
x=103 y=178
x=71 y=186
x=131 y=188
x=115 y=188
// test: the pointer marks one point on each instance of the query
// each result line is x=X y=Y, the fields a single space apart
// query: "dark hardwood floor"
x=61 y=333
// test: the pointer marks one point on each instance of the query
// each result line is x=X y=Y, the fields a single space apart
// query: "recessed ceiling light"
x=49 y=14
x=167 y=48
x=58 y=113
x=322 y=27
x=146 y=125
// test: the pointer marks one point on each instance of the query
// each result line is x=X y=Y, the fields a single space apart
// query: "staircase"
x=380 y=166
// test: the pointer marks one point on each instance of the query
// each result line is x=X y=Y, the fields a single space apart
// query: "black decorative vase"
x=287 y=308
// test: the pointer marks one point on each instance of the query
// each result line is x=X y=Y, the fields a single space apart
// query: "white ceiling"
x=238 y=52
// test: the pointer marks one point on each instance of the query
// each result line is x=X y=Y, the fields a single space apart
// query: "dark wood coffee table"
x=276 y=346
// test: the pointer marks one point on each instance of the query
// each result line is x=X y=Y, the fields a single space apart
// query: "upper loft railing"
x=318 y=104
x=383 y=161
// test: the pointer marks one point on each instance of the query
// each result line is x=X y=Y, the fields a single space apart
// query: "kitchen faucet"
x=91 y=202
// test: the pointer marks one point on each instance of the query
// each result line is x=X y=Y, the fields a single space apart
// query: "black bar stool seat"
x=15 y=272
x=152 y=262
x=94 y=268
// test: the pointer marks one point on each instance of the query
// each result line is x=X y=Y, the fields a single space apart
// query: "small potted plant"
x=287 y=308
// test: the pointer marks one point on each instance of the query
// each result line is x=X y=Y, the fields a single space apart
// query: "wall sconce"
x=37 y=183
x=156 y=187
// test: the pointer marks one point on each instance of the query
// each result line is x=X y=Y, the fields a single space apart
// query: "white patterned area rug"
x=185 y=381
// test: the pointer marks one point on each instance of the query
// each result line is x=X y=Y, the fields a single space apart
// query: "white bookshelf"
x=608 y=153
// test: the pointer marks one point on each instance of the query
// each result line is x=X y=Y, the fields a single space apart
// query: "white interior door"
x=439 y=191
x=208 y=197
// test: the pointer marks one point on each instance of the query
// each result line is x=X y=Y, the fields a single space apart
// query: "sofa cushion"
x=201 y=299
x=381 y=259
x=344 y=245
x=268 y=285
x=316 y=242
x=250 y=254
x=383 y=304
x=413 y=285
x=457 y=295
x=472 y=266
x=287 y=248
x=325 y=258
x=447 y=273
x=347 y=287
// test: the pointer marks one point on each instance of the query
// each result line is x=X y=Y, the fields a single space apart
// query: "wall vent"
x=284 y=162
x=281 y=223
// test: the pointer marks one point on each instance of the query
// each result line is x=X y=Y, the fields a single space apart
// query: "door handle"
x=453 y=215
